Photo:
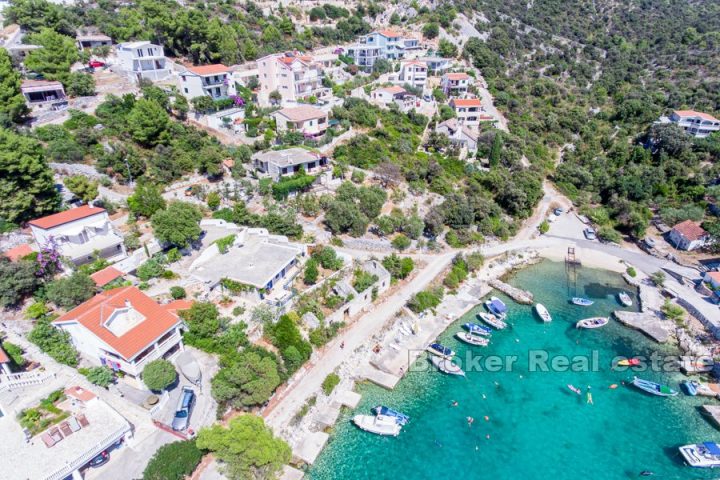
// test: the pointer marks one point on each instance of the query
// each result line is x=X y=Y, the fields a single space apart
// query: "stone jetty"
x=520 y=296
x=658 y=329
x=713 y=412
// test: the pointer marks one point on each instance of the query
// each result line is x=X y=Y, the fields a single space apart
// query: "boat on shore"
x=472 y=338
x=440 y=350
x=447 y=366
x=624 y=299
x=581 y=301
x=594 y=322
x=543 y=312
x=702 y=455
x=654 y=388
x=378 y=424
x=399 y=417
x=492 y=320
x=477 y=329
x=496 y=307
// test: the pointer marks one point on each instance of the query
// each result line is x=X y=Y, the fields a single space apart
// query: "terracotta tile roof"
x=94 y=313
x=457 y=76
x=693 y=113
x=67 y=216
x=229 y=162
x=392 y=90
x=415 y=62
x=690 y=230
x=80 y=393
x=4 y=356
x=289 y=59
x=177 y=305
x=714 y=275
x=466 y=102
x=388 y=33
x=106 y=275
x=209 y=69
x=18 y=252
x=302 y=113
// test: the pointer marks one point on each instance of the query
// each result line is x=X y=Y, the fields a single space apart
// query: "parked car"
x=101 y=459
x=649 y=242
x=558 y=211
x=96 y=64
x=590 y=233
x=184 y=409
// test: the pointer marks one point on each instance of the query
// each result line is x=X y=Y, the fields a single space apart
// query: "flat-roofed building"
x=279 y=163
x=85 y=42
x=44 y=95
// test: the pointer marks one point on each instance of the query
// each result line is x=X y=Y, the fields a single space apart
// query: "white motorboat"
x=378 y=424
x=472 y=338
x=702 y=455
x=543 y=312
x=594 y=322
x=497 y=307
x=625 y=299
x=492 y=320
x=447 y=366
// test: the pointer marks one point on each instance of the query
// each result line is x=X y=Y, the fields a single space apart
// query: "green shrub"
x=54 y=342
x=631 y=271
x=328 y=258
x=225 y=243
x=311 y=272
x=36 y=310
x=174 y=461
x=363 y=280
x=159 y=374
x=330 y=382
x=177 y=292
x=401 y=242
x=152 y=268
x=100 y=376
x=544 y=227
x=15 y=353
x=425 y=300
x=297 y=183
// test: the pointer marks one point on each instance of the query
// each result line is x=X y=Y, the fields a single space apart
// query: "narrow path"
x=285 y=404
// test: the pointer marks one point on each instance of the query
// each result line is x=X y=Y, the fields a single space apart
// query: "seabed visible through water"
x=529 y=425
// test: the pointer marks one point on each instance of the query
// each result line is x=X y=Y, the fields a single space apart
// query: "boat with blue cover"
x=399 y=417
x=478 y=329
x=702 y=455
x=496 y=307
x=440 y=350
x=654 y=388
x=582 y=301
x=691 y=387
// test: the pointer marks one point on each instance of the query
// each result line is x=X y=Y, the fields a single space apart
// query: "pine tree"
x=12 y=102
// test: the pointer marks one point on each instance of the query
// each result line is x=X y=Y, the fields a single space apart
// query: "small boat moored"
x=702 y=455
x=628 y=362
x=477 y=329
x=543 y=312
x=583 y=302
x=472 y=338
x=624 y=299
x=690 y=387
x=654 y=388
x=440 y=351
x=496 y=307
x=379 y=424
x=447 y=366
x=399 y=417
x=594 y=322
x=492 y=320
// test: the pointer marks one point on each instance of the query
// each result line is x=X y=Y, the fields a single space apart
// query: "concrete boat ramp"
x=648 y=323
x=520 y=296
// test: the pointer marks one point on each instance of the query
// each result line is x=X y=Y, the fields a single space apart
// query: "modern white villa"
x=455 y=84
x=143 y=60
x=125 y=329
x=697 y=124
x=80 y=234
x=279 y=163
x=385 y=44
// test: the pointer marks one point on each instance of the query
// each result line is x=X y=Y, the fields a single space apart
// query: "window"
x=150 y=52
x=186 y=90
x=139 y=52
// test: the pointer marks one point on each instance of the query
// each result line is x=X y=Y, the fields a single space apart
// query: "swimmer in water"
x=454 y=403
x=589 y=397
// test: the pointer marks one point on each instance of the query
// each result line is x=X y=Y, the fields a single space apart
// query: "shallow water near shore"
x=536 y=428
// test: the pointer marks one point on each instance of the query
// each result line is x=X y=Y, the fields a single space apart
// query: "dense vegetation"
x=174 y=461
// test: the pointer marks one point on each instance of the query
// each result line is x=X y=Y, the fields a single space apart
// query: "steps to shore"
x=520 y=296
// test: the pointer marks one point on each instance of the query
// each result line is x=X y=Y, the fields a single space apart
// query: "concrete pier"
x=378 y=377
x=658 y=329
x=311 y=446
x=713 y=413
x=520 y=296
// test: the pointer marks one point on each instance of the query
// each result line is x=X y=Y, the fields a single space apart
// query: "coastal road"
x=285 y=404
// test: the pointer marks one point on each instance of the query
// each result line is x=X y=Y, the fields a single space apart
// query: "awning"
x=712 y=448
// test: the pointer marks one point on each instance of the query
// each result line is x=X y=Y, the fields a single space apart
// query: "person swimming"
x=589 y=397
x=470 y=421
x=454 y=403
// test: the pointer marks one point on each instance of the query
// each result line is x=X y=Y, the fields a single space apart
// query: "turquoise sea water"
x=537 y=428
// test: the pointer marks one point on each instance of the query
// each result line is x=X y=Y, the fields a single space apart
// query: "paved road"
x=282 y=407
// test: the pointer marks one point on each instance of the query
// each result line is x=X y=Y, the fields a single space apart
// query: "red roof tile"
x=209 y=69
x=388 y=33
x=693 y=113
x=392 y=90
x=302 y=113
x=714 y=275
x=95 y=312
x=690 y=230
x=177 y=305
x=80 y=393
x=106 y=275
x=466 y=102
x=67 y=216
x=457 y=76
x=4 y=356
x=18 y=252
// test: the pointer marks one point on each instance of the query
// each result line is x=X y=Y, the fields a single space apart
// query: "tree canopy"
x=178 y=224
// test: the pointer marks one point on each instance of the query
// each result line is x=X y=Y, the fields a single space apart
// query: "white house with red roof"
x=688 y=236
x=455 y=84
x=713 y=278
x=143 y=59
x=697 y=124
x=293 y=75
x=468 y=111
x=80 y=234
x=205 y=81
x=399 y=96
x=125 y=329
